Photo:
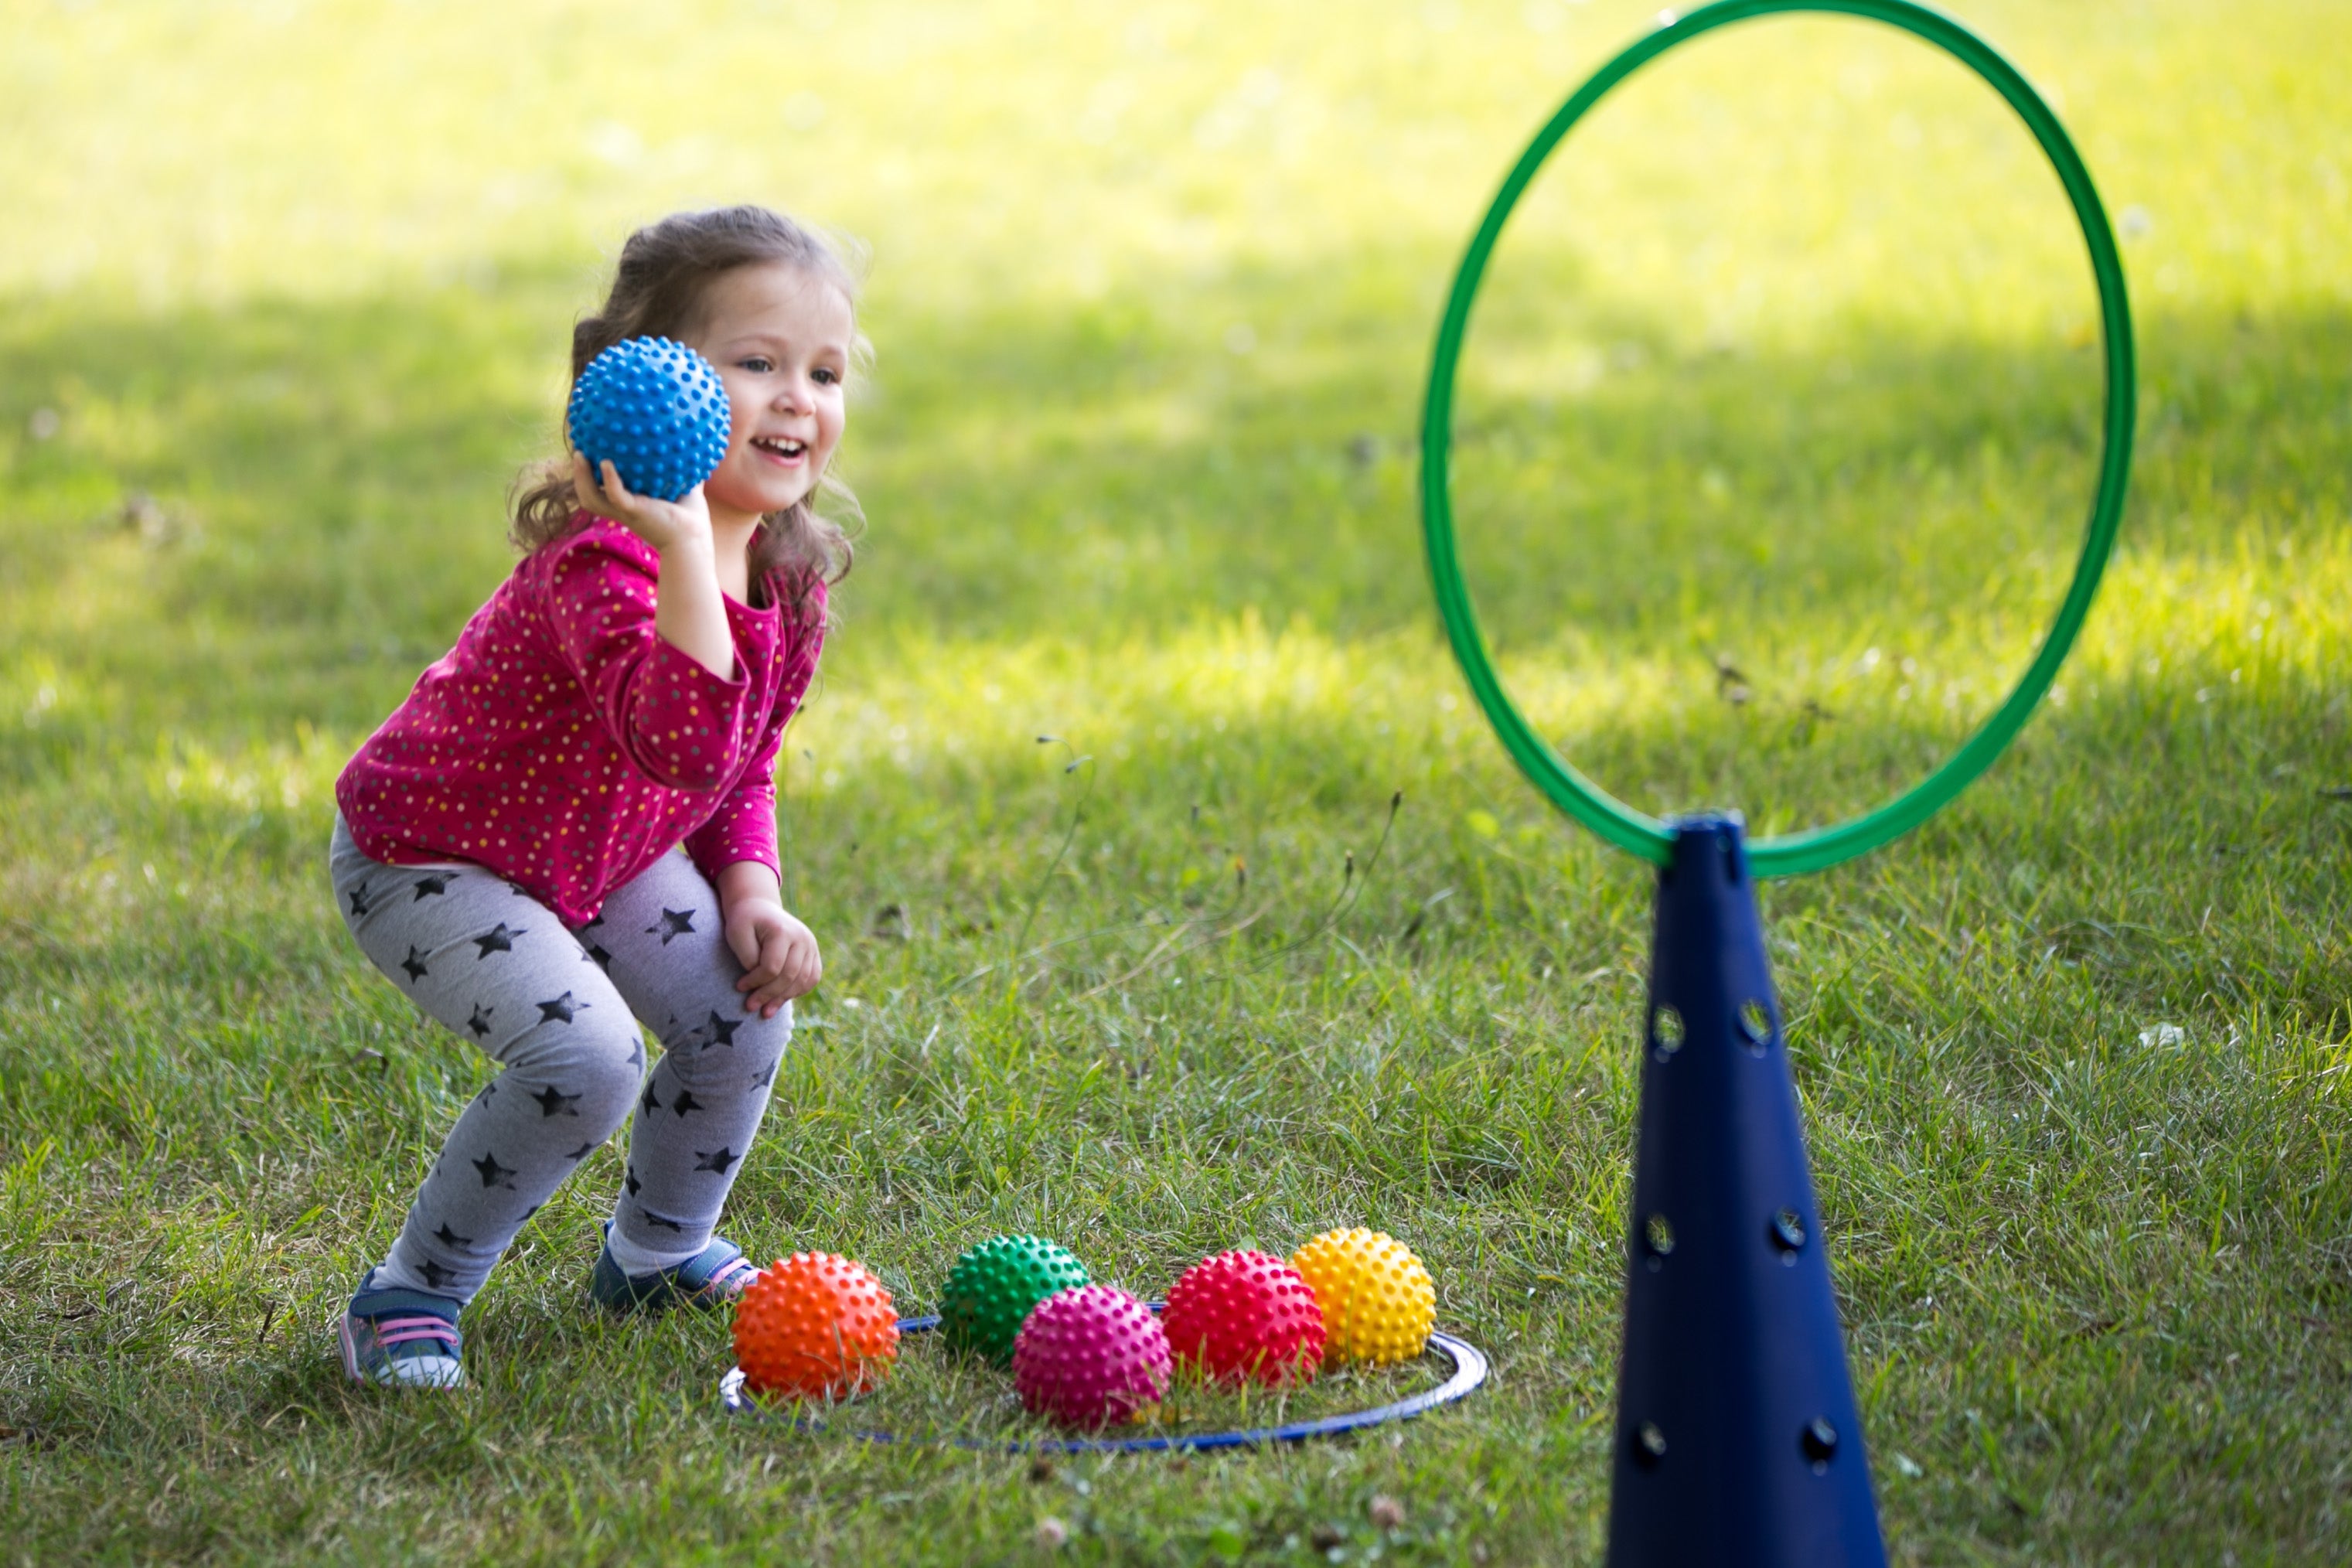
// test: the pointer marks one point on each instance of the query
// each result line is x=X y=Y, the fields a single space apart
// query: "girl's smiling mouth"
x=781 y=449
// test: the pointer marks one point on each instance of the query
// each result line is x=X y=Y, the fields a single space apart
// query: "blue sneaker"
x=711 y=1278
x=402 y=1338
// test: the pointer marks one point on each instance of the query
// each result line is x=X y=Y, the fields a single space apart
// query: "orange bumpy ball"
x=1244 y=1315
x=1378 y=1302
x=814 y=1326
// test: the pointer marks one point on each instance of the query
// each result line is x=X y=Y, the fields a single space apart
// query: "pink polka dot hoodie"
x=564 y=745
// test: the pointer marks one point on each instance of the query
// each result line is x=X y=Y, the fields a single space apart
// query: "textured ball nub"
x=655 y=407
x=1245 y=1315
x=1090 y=1357
x=814 y=1326
x=1378 y=1302
x=992 y=1286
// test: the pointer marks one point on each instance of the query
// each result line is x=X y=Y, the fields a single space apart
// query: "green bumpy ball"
x=994 y=1285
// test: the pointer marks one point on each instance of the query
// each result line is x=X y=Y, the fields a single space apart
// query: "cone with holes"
x=1737 y=1436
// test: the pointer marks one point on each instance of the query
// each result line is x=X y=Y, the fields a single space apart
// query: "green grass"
x=1786 y=365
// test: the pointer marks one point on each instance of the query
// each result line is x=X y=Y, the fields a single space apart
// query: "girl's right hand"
x=689 y=610
x=660 y=523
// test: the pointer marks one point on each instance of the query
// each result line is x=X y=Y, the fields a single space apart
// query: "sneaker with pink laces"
x=402 y=1338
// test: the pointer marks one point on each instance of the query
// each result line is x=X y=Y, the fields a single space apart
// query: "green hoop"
x=1818 y=848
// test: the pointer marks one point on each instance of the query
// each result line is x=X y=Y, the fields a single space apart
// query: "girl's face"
x=780 y=338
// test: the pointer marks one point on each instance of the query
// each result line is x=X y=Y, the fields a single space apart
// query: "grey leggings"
x=559 y=1008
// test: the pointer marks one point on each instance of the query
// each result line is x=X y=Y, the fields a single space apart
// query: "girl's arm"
x=736 y=849
x=689 y=615
x=779 y=954
x=678 y=724
x=742 y=827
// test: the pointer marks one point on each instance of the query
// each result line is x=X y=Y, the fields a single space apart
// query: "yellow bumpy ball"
x=1379 y=1303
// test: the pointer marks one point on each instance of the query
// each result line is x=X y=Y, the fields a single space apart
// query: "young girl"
x=570 y=824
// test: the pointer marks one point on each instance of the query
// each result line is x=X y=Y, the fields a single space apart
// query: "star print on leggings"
x=435 y=1275
x=637 y=1054
x=582 y=1151
x=650 y=1102
x=716 y=1162
x=559 y=1011
x=554 y=1101
x=684 y=1101
x=721 y=1031
x=500 y=938
x=433 y=885
x=415 y=964
x=480 y=1022
x=674 y=923
x=449 y=1237
x=359 y=901
x=767 y=1076
x=631 y=1181
x=661 y=1220
x=599 y=958
x=493 y=1174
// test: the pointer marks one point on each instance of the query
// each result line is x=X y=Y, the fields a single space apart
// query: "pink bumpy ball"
x=1245 y=1315
x=1090 y=1356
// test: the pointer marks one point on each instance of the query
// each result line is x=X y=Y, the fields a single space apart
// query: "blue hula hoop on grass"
x=1470 y=1368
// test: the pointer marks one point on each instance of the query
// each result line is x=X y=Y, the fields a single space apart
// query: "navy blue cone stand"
x=1736 y=1439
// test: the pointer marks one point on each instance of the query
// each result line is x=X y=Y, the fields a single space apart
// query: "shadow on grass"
x=330 y=479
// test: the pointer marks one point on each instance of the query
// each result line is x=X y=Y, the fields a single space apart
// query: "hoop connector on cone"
x=1738 y=1440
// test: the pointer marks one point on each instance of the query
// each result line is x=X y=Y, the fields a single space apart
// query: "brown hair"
x=658 y=289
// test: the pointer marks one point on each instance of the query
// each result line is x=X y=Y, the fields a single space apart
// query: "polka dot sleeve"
x=673 y=720
x=562 y=744
x=744 y=827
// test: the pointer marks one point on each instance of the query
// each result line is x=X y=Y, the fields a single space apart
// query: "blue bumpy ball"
x=656 y=409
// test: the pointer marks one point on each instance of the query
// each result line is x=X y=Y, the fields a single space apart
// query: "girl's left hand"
x=778 y=953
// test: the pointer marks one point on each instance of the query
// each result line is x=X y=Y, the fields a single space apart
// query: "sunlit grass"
x=1779 y=422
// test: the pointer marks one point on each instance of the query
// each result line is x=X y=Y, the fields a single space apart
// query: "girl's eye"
x=757 y=364
x=827 y=376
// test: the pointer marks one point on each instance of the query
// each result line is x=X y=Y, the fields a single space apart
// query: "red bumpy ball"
x=1244 y=1315
x=814 y=1326
x=1090 y=1356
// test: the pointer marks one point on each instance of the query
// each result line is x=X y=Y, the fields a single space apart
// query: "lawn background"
x=1787 y=367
